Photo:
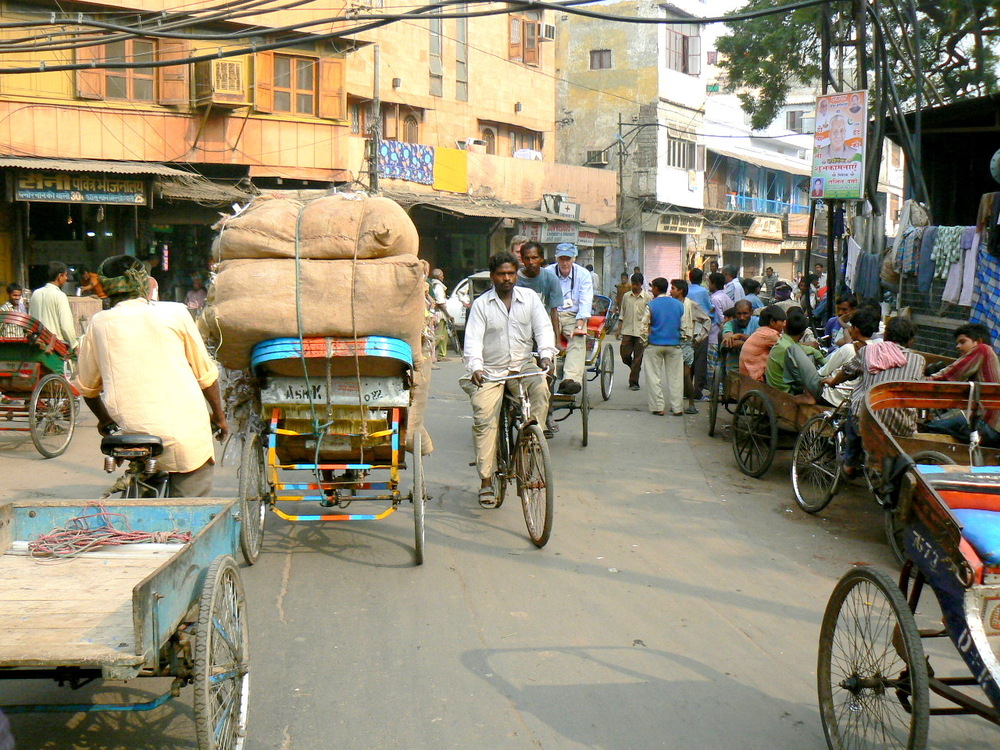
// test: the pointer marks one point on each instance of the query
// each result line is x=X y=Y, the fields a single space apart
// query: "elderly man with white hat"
x=578 y=298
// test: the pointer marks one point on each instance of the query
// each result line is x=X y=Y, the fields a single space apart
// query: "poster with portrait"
x=838 y=168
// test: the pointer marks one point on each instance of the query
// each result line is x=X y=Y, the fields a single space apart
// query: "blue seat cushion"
x=981 y=529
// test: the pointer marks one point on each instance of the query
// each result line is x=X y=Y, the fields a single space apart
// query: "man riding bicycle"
x=503 y=328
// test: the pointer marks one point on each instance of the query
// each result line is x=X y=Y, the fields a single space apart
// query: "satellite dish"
x=995 y=166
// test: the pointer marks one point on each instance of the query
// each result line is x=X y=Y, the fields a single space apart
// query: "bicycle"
x=523 y=457
x=142 y=477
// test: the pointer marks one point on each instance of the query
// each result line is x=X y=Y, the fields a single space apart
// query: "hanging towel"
x=884 y=355
x=853 y=255
x=909 y=252
x=956 y=271
x=986 y=295
x=947 y=249
x=969 y=271
x=925 y=261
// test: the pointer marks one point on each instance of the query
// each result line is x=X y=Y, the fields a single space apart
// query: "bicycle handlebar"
x=517 y=376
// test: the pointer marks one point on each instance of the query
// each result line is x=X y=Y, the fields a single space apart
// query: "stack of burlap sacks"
x=358 y=275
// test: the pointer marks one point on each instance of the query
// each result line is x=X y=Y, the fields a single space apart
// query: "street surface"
x=677 y=605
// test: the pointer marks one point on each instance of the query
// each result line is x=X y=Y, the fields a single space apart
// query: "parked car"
x=462 y=295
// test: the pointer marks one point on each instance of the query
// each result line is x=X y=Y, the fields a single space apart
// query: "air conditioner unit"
x=597 y=159
x=221 y=83
x=546 y=32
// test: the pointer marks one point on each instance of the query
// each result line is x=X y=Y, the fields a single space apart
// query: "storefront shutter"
x=90 y=82
x=662 y=256
x=174 y=88
x=263 y=81
x=332 y=92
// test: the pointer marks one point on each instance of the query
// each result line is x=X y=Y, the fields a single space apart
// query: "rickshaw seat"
x=595 y=323
x=113 y=443
x=981 y=528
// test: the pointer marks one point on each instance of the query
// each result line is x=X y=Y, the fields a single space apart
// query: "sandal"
x=690 y=410
x=487 y=498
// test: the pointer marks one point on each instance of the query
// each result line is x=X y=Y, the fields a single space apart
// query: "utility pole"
x=375 y=144
x=620 y=202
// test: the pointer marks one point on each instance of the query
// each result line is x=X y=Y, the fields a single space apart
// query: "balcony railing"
x=716 y=197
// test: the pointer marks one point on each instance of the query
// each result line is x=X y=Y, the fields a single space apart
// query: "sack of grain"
x=254 y=300
x=334 y=227
x=418 y=404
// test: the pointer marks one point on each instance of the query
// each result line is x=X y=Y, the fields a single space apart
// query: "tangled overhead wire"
x=92 y=531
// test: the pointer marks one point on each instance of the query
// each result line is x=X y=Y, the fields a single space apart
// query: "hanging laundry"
x=986 y=296
x=925 y=261
x=956 y=271
x=868 y=284
x=947 y=249
x=853 y=254
x=969 y=271
x=909 y=250
x=992 y=230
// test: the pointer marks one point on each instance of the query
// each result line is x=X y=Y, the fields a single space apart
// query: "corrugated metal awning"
x=759 y=160
x=465 y=205
x=200 y=190
x=91 y=165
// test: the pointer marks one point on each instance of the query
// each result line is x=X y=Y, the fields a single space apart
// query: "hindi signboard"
x=838 y=168
x=80 y=187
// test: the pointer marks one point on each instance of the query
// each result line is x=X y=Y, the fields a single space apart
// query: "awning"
x=200 y=190
x=775 y=163
x=91 y=165
x=470 y=206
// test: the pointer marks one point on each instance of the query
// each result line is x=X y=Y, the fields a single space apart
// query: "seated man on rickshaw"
x=792 y=367
x=757 y=348
x=736 y=331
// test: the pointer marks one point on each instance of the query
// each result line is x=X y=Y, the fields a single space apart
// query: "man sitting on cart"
x=143 y=367
x=501 y=333
x=50 y=305
x=791 y=367
x=737 y=331
x=757 y=348
x=577 y=300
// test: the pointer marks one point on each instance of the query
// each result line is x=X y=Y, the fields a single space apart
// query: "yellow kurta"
x=149 y=365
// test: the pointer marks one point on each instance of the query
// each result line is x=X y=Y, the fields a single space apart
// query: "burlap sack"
x=254 y=300
x=418 y=404
x=334 y=227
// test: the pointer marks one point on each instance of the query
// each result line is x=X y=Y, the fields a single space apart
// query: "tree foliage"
x=764 y=57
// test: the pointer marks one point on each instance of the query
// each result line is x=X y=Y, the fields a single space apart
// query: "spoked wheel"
x=222 y=660
x=894 y=528
x=453 y=337
x=755 y=434
x=816 y=463
x=872 y=672
x=534 y=484
x=714 y=396
x=255 y=494
x=585 y=414
x=607 y=372
x=419 y=498
x=52 y=415
x=499 y=489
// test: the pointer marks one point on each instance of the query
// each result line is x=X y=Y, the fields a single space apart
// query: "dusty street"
x=677 y=605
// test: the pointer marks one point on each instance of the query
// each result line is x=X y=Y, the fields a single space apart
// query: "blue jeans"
x=958 y=427
x=853 y=447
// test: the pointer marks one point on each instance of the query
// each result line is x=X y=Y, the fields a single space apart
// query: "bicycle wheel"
x=254 y=496
x=816 y=464
x=755 y=434
x=52 y=415
x=453 y=337
x=895 y=530
x=714 y=395
x=419 y=497
x=607 y=372
x=585 y=415
x=872 y=674
x=534 y=484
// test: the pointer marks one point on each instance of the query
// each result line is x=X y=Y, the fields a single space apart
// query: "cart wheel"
x=419 y=498
x=714 y=395
x=872 y=672
x=534 y=484
x=894 y=528
x=755 y=434
x=816 y=463
x=607 y=372
x=585 y=415
x=254 y=496
x=456 y=342
x=52 y=415
x=221 y=660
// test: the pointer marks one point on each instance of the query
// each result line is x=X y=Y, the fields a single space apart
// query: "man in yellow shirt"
x=143 y=366
x=633 y=308
x=50 y=305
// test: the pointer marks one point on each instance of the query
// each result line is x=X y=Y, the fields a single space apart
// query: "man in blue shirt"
x=698 y=293
x=663 y=355
x=577 y=289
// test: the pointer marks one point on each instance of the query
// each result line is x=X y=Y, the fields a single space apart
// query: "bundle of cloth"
x=343 y=265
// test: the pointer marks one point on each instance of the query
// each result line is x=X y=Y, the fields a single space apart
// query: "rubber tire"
x=807 y=460
x=419 y=498
x=762 y=408
x=255 y=497
x=713 y=399
x=607 y=372
x=904 y=635
x=538 y=532
x=893 y=526
x=57 y=381
x=222 y=586
x=585 y=415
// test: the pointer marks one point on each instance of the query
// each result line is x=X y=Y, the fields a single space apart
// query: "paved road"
x=677 y=605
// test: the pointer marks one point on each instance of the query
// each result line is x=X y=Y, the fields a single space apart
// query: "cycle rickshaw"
x=874 y=679
x=337 y=409
x=600 y=365
x=35 y=396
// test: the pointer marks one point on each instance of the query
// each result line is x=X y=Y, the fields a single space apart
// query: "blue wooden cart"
x=140 y=610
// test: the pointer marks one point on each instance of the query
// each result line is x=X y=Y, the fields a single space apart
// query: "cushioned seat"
x=981 y=529
x=113 y=443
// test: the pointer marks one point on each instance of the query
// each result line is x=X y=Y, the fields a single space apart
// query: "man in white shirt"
x=501 y=333
x=578 y=299
x=633 y=311
x=733 y=288
x=51 y=306
x=439 y=296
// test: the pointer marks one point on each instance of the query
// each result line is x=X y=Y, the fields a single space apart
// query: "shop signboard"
x=586 y=239
x=838 y=169
x=80 y=187
x=768 y=247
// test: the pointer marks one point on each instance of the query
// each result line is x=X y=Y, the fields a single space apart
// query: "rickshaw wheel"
x=816 y=463
x=534 y=484
x=254 y=496
x=585 y=414
x=714 y=396
x=872 y=674
x=894 y=528
x=221 y=660
x=52 y=415
x=419 y=498
x=607 y=372
x=755 y=434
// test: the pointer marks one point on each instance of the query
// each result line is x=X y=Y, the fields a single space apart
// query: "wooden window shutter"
x=514 y=48
x=263 y=81
x=90 y=82
x=174 y=88
x=332 y=91
x=529 y=30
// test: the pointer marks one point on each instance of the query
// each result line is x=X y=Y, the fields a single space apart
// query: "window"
x=523 y=40
x=462 y=57
x=434 y=58
x=411 y=129
x=681 y=154
x=712 y=57
x=600 y=59
x=794 y=119
x=893 y=207
x=136 y=84
x=683 y=48
x=521 y=138
x=357 y=117
x=490 y=137
x=294 y=85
